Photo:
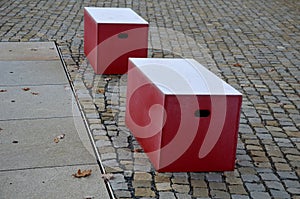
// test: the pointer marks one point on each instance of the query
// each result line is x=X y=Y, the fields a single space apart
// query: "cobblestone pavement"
x=253 y=45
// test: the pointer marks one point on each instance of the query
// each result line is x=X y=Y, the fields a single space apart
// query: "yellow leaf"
x=59 y=137
x=237 y=65
x=138 y=150
x=84 y=173
x=100 y=90
x=56 y=140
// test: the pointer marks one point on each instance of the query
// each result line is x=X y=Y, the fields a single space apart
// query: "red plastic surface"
x=172 y=134
x=108 y=46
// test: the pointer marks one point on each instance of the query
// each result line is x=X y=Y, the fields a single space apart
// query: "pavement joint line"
x=64 y=66
x=18 y=85
x=5 y=60
x=48 y=167
x=40 y=118
x=92 y=140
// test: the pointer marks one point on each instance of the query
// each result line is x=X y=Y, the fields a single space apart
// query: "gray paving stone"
x=255 y=187
x=214 y=177
x=219 y=194
x=294 y=190
x=292 y=183
x=120 y=142
x=167 y=195
x=287 y=175
x=279 y=194
x=250 y=178
x=239 y=197
x=274 y=185
x=269 y=176
x=183 y=196
x=102 y=143
x=260 y=195
x=163 y=186
x=181 y=188
x=217 y=186
x=124 y=154
x=122 y=194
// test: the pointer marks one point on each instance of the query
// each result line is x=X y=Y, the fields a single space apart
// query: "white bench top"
x=182 y=77
x=115 y=15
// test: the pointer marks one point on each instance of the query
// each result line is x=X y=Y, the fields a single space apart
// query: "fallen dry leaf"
x=107 y=176
x=25 y=89
x=2 y=90
x=56 y=140
x=34 y=93
x=237 y=65
x=100 y=90
x=83 y=173
x=59 y=137
x=138 y=150
x=271 y=70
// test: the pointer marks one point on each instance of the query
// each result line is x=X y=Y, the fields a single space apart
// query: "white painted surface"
x=115 y=15
x=182 y=77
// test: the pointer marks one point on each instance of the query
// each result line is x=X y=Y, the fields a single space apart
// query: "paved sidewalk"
x=37 y=105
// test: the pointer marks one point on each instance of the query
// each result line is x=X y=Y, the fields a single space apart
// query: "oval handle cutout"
x=123 y=36
x=202 y=113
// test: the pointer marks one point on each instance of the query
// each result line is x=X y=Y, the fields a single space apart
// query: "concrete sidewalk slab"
x=51 y=183
x=38 y=130
x=30 y=143
x=26 y=156
x=45 y=101
x=14 y=73
x=28 y=51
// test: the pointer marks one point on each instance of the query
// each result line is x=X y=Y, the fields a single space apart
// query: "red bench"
x=183 y=116
x=111 y=36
